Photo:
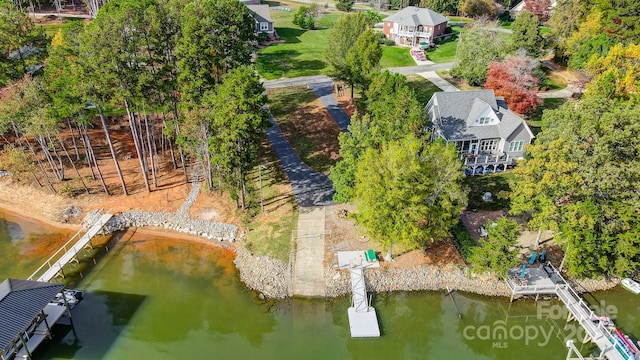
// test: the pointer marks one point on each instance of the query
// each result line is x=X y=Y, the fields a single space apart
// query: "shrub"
x=344 y=5
x=463 y=241
x=389 y=42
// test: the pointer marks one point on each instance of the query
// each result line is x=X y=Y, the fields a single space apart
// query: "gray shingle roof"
x=262 y=11
x=20 y=302
x=414 y=16
x=458 y=110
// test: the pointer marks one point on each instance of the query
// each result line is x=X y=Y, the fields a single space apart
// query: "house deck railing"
x=484 y=160
x=422 y=34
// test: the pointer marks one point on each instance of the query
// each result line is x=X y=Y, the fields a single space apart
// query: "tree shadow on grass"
x=291 y=35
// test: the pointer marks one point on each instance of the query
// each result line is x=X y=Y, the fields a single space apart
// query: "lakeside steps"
x=27 y=306
x=363 y=321
x=547 y=280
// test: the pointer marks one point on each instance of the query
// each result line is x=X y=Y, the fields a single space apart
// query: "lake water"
x=155 y=297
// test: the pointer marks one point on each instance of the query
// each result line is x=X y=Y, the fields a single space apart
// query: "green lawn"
x=394 y=56
x=460 y=19
x=302 y=52
x=446 y=51
x=552 y=81
x=269 y=232
x=422 y=87
x=496 y=184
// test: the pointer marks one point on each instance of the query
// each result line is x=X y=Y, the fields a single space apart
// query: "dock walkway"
x=363 y=321
x=69 y=251
x=549 y=281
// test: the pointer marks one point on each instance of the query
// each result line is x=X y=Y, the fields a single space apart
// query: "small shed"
x=24 y=323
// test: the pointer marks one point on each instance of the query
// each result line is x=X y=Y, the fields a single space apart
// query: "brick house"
x=413 y=25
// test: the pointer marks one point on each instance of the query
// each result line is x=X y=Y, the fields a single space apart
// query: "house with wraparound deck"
x=489 y=137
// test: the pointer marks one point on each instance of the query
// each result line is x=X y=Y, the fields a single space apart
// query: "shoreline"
x=271 y=277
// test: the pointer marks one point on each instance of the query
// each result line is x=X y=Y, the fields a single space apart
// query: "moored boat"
x=631 y=285
x=72 y=297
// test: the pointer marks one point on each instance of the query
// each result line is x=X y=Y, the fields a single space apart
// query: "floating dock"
x=363 y=321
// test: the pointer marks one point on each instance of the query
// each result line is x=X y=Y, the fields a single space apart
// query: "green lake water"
x=152 y=297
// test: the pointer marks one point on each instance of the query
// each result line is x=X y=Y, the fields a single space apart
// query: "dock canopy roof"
x=20 y=302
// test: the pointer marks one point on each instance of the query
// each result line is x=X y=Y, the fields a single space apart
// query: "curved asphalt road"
x=310 y=187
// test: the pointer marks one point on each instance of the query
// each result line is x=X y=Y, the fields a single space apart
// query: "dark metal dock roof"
x=20 y=302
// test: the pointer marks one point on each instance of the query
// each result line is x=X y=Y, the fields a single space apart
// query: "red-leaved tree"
x=516 y=81
x=540 y=8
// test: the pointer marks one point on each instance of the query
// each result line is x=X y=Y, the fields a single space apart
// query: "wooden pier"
x=363 y=321
x=53 y=266
x=546 y=280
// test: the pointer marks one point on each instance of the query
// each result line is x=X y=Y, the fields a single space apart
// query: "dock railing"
x=69 y=250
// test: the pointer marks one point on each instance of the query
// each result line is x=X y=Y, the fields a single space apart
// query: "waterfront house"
x=413 y=25
x=487 y=134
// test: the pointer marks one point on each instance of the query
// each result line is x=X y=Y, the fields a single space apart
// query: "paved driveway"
x=310 y=187
x=324 y=91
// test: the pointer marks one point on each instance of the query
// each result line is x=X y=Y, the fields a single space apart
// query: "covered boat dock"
x=27 y=315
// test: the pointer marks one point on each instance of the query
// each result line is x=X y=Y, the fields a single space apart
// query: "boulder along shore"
x=272 y=277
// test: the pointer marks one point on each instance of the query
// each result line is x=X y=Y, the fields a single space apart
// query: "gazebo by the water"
x=26 y=315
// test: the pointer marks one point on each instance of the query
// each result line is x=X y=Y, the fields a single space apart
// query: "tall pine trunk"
x=92 y=157
x=113 y=151
x=136 y=142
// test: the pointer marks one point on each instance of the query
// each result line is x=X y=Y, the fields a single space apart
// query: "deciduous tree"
x=441 y=6
x=217 y=36
x=479 y=8
x=392 y=112
x=409 y=192
x=363 y=59
x=478 y=46
x=566 y=17
x=580 y=180
x=616 y=75
x=497 y=253
x=515 y=79
x=526 y=34
x=540 y=8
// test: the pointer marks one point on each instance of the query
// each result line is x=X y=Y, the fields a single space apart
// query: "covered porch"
x=483 y=156
x=411 y=35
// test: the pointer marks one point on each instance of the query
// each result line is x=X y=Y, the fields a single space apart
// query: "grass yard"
x=446 y=51
x=307 y=126
x=552 y=81
x=460 y=19
x=302 y=52
x=422 y=87
x=496 y=184
x=395 y=56
x=269 y=232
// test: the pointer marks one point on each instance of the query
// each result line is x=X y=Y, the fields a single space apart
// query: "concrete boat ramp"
x=363 y=321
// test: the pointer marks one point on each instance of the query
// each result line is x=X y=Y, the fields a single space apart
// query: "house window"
x=264 y=26
x=484 y=120
x=488 y=145
x=516 y=145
